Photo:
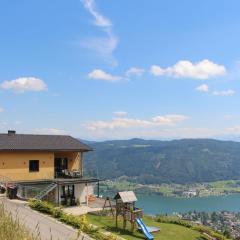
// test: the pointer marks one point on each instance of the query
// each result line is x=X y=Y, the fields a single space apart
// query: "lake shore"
x=218 y=188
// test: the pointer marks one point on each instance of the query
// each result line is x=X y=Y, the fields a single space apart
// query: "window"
x=33 y=165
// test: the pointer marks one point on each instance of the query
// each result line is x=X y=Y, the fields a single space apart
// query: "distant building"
x=190 y=193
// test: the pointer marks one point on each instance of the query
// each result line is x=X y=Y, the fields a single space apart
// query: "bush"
x=41 y=206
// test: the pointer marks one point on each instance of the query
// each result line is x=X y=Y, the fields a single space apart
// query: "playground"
x=167 y=232
x=128 y=221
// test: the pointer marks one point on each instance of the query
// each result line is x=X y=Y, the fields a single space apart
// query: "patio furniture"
x=76 y=173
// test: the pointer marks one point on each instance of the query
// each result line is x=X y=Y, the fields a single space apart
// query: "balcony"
x=68 y=174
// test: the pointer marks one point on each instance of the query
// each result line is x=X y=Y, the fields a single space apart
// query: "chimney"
x=11 y=133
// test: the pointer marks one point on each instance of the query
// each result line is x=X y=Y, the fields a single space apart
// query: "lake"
x=154 y=204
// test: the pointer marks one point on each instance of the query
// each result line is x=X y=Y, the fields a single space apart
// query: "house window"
x=33 y=165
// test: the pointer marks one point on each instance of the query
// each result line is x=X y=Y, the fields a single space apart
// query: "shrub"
x=41 y=206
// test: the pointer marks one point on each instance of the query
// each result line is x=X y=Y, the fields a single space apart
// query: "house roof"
x=31 y=142
x=126 y=197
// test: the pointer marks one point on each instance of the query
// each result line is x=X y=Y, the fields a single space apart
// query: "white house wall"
x=82 y=190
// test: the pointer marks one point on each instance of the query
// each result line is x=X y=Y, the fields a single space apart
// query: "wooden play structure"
x=125 y=207
x=108 y=204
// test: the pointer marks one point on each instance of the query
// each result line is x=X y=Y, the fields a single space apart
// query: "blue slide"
x=143 y=227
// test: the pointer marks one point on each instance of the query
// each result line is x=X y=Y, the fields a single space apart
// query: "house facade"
x=45 y=167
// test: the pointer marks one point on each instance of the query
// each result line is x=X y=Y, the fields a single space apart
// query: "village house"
x=49 y=167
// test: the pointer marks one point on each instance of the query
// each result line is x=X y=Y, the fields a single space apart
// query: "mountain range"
x=155 y=161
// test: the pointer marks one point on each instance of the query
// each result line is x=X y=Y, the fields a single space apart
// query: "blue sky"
x=104 y=69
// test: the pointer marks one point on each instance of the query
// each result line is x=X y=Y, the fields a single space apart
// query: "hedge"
x=78 y=222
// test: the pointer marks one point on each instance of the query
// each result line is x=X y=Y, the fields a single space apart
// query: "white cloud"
x=120 y=113
x=24 y=84
x=103 y=46
x=1 y=109
x=152 y=133
x=229 y=92
x=133 y=71
x=99 y=19
x=185 y=69
x=156 y=70
x=121 y=122
x=203 y=88
x=117 y=123
x=170 y=119
x=51 y=131
x=101 y=75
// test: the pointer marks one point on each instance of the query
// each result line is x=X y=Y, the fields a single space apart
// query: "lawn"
x=167 y=232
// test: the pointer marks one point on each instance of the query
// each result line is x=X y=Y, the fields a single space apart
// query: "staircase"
x=45 y=191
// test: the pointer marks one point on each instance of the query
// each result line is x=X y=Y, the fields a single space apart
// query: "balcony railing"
x=68 y=174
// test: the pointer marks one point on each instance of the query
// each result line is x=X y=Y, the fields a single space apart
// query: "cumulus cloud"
x=224 y=93
x=24 y=84
x=203 y=88
x=101 y=75
x=133 y=71
x=122 y=122
x=156 y=70
x=51 y=131
x=185 y=69
x=103 y=46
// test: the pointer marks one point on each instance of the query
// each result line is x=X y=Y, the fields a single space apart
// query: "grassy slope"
x=11 y=229
x=168 y=231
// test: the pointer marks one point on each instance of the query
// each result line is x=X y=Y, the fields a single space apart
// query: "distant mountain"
x=153 y=161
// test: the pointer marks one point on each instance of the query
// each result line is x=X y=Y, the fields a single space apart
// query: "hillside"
x=153 y=161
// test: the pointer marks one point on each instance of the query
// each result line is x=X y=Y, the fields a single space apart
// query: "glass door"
x=60 y=164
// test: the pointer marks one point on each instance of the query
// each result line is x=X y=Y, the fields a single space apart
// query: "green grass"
x=225 y=186
x=167 y=231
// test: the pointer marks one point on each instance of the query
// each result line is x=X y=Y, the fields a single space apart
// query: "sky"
x=105 y=69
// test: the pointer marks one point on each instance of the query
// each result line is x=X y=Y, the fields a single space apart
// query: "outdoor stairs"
x=45 y=191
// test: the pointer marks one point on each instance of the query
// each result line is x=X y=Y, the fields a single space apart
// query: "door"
x=60 y=164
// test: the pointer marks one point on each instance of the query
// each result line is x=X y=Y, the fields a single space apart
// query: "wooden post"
x=132 y=221
x=116 y=214
x=110 y=205
x=81 y=156
x=98 y=192
x=124 y=222
x=58 y=195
